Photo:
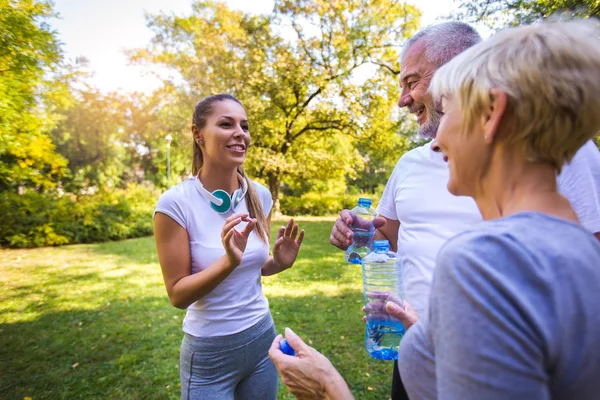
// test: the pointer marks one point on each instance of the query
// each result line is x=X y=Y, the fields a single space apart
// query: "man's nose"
x=435 y=146
x=405 y=99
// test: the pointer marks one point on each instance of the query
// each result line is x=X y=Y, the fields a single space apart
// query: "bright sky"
x=100 y=30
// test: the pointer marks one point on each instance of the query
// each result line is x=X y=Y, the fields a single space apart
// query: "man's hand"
x=341 y=234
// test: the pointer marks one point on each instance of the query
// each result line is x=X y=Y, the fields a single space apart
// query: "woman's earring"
x=200 y=142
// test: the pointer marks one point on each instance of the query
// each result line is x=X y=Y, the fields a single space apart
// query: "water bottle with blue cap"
x=382 y=282
x=363 y=229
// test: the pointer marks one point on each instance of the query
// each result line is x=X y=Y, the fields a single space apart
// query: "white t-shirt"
x=238 y=302
x=579 y=182
x=416 y=195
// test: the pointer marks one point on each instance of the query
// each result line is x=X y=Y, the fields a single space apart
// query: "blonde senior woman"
x=514 y=308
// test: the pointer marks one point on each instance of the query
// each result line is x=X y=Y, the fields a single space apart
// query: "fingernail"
x=288 y=331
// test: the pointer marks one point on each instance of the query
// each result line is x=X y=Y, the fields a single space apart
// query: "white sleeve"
x=170 y=205
x=579 y=182
x=387 y=204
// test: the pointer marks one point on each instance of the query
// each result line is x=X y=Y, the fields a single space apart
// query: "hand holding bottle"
x=341 y=234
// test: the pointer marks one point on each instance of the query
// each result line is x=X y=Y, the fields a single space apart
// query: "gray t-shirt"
x=514 y=313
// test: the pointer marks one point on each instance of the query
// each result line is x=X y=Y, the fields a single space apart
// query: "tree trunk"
x=274 y=188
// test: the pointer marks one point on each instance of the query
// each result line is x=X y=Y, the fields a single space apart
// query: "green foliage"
x=94 y=321
x=148 y=119
x=45 y=219
x=498 y=13
x=307 y=111
x=317 y=126
x=111 y=140
x=91 y=136
x=322 y=204
x=29 y=54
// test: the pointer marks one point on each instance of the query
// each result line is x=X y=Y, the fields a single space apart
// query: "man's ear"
x=493 y=115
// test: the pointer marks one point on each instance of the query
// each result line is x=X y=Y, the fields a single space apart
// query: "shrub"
x=44 y=219
x=322 y=204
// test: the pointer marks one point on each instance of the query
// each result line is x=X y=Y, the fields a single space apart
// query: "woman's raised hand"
x=286 y=247
x=235 y=241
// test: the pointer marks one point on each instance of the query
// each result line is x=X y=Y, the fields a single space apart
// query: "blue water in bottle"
x=382 y=339
x=382 y=282
x=362 y=226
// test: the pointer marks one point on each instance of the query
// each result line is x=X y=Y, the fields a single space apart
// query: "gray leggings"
x=229 y=367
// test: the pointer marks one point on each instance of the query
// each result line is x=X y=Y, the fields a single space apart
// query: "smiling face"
x=225 y=136
x=415 y=77
x=465 y=150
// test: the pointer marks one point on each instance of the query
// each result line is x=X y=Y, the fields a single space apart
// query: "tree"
x=499 y=13
x=149 y=120
x=296 y=71
x=91 y=136
x=30 y=89
x=381 y=152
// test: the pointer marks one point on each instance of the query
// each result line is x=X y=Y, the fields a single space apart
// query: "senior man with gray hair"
x=417 y=213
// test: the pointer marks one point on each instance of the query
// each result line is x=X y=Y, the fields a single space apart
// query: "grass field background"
x=94 y=321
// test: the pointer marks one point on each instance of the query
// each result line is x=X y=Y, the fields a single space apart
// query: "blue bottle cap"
x=364 y=202
x=286 y=348
x=381 y=245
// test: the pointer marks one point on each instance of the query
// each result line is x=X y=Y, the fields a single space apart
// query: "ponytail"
x=255 y=209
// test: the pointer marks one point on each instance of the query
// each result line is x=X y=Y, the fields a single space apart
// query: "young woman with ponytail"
x=212 y=238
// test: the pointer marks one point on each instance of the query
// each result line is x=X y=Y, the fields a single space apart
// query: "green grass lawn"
x=94 y=321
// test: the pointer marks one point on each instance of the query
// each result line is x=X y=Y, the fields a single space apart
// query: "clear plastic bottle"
x=382 y=282
x=362 y=226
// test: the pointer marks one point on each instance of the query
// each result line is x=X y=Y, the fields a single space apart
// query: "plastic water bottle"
x=362 y=226
x=382 y=282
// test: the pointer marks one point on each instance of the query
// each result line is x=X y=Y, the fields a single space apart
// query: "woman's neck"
x=513 y=185
x=214 y=178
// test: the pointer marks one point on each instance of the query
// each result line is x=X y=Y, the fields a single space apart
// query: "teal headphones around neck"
x=220 y=201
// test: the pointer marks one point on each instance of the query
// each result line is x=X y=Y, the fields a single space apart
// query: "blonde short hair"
x=550 y=73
